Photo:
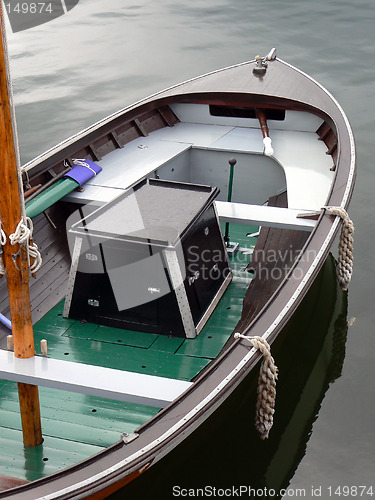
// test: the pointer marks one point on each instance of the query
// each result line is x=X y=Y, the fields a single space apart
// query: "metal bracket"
x=72 y=276
x=128 y=438
x=179 y=289
x=260 y=66
x=232 y=247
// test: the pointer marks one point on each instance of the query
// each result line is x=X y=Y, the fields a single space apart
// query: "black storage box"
x=151 y=260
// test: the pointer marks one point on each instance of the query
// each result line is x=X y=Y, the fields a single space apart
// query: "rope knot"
x=23 y=236
x=345 y=258
x=266 y=386
x=22 y=233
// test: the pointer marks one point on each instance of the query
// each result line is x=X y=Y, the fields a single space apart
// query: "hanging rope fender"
x=345 y=258
x=266 y=386
x=23 y=236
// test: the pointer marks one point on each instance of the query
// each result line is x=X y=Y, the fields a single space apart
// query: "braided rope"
x=266 y=386
x=345 y=259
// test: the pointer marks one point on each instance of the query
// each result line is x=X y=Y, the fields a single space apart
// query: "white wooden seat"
x=124 y=167
x=306 y=165
x=260 y=215
x=92 y=380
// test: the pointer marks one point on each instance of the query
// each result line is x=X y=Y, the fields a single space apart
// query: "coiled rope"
x=23 y=236
x=345 y=258
x=266 y=386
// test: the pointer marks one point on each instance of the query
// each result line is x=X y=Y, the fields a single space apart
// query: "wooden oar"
x=15 y=256
x=268 y=151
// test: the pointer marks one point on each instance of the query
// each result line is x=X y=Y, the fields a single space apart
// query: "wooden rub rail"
x=97 y=381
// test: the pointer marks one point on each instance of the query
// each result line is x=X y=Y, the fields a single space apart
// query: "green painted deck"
x=76 y=426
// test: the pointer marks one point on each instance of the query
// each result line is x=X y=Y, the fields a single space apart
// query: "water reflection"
x=226 y=452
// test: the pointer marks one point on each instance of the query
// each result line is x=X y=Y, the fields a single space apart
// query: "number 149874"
x=29 y=8
x=350 y=491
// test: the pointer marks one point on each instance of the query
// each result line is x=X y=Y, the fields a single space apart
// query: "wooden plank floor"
x=274 y=254
x=48 y=288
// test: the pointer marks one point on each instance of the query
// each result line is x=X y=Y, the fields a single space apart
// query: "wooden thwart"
x=97 y=381
x=259 y=215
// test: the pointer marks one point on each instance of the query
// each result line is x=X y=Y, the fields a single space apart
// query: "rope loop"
x=3 y=236
x=23 y=236
x=36 y=257
x=345 y=258
x=265 y=408
x=22 y=233
x=2 y=267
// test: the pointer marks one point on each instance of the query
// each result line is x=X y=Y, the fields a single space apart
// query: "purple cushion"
x=83 y=171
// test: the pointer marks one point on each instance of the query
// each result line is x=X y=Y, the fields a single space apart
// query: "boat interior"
x=268 y=192
x=196 y=148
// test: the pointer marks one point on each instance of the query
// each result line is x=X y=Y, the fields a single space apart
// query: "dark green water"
x=102 y=56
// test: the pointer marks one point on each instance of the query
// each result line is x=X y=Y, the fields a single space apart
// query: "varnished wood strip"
x=7 y=482
x=30 y=414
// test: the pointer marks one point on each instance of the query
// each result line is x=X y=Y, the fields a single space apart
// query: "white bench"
x=260 y=215
x=306 y=165
x=92 y=380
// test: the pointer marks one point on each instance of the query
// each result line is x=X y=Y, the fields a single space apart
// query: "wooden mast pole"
x=17 y=275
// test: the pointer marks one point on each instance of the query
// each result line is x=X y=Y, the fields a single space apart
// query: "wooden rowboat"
x=202 y=228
